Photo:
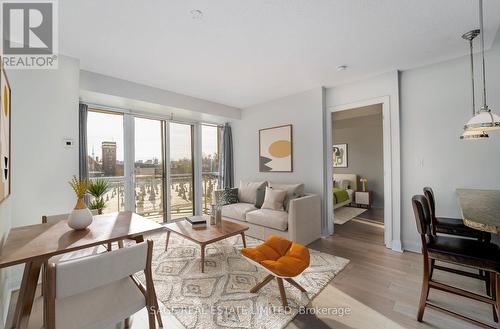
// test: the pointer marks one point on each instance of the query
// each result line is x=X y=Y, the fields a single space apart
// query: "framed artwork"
x=5 y=133
x=340 y=156
x=276 y=149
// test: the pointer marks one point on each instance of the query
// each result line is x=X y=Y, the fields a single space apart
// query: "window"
x=209 y=164
x=141 y=178
x=181 y=170
x=148 y=169
x=105 y=155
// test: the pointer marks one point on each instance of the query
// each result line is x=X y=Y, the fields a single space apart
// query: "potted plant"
x=80 y=217
x=97 y=189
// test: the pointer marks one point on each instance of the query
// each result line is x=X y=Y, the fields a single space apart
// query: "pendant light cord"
x=481 y=26
x=472 y=75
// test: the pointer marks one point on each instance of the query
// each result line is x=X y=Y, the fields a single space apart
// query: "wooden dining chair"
x=102 y=290
x=454 y=226
x=459 y=251
x=451 y=226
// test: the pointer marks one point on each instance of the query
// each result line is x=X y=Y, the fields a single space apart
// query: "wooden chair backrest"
x=56 y=218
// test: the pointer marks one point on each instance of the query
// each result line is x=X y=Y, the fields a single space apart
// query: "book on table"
x=197 y=221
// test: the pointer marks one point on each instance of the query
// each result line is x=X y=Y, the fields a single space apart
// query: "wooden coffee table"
x=203 y=237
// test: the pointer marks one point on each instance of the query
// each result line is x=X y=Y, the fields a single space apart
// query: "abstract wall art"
x=340 y=156
x=5 y=133
x=276 y=149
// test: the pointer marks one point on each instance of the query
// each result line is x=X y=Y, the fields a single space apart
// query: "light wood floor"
x=373 y=215
x=381 y=287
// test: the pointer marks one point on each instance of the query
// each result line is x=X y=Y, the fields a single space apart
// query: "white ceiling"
x=245 y=52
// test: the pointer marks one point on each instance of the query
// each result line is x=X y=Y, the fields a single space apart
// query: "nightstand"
x=363 y=198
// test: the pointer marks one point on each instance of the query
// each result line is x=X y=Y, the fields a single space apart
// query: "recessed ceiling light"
x=196 y=14
x=341 y=68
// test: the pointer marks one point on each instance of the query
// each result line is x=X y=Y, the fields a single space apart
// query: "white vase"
x=79 y=219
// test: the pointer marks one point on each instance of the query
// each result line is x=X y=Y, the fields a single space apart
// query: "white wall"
x=44 y=112
x=5 y=222
x=305 y=112
x=93 y=86
x=435 y=104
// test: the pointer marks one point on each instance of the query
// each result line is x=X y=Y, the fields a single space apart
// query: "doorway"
x=358 y=168
x=391 y=167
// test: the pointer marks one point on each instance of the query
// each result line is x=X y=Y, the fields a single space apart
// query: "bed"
x=344 y=186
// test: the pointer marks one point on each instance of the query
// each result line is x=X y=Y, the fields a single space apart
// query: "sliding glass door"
x=105 y=155
x=150 y=164
x=181 y=170
x=149 y=169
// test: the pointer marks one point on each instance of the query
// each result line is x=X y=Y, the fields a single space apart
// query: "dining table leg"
x=26 y=294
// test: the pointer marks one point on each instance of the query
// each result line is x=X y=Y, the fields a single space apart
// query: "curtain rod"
x=169 y=117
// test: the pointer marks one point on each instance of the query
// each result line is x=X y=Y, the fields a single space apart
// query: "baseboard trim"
x=413 y=247
x=396 y=246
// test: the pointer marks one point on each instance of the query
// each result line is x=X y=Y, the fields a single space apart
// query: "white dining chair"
x=70 y=255
x=100 y=291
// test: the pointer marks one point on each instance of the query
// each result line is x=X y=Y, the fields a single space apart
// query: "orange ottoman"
x=283 y=259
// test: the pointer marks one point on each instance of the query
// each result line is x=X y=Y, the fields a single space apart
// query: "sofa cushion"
x=237 y=210
x=276 y=219
x=247 y=192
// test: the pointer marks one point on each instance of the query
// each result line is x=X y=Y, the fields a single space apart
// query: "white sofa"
x=301 y=224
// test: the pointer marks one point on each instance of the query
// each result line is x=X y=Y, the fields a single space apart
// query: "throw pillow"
x=274 y=199
x=293 y=191
x=259 y=198
x=229 y=195
x=247 y=192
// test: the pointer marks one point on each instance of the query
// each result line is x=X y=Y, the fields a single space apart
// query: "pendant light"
x=472 y=134
x=484 y=120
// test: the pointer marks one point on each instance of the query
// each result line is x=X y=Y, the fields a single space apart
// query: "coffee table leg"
x=166 y=241
x=202 y=258
x=243 y=238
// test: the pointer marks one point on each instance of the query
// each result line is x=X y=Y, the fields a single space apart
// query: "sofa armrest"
x=304 y=219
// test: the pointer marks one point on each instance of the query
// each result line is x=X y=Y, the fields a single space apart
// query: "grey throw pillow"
x=261 y=194
x=229 y=196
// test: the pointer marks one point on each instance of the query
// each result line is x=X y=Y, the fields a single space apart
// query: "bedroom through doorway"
x=358 y=168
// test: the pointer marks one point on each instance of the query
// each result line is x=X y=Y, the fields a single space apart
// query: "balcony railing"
x=149 y=195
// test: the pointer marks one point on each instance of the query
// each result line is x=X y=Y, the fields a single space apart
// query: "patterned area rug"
x=344 y=214
x=220 y=298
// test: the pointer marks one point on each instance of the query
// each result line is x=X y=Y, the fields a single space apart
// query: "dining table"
x=480 y=209
x=33 y=245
